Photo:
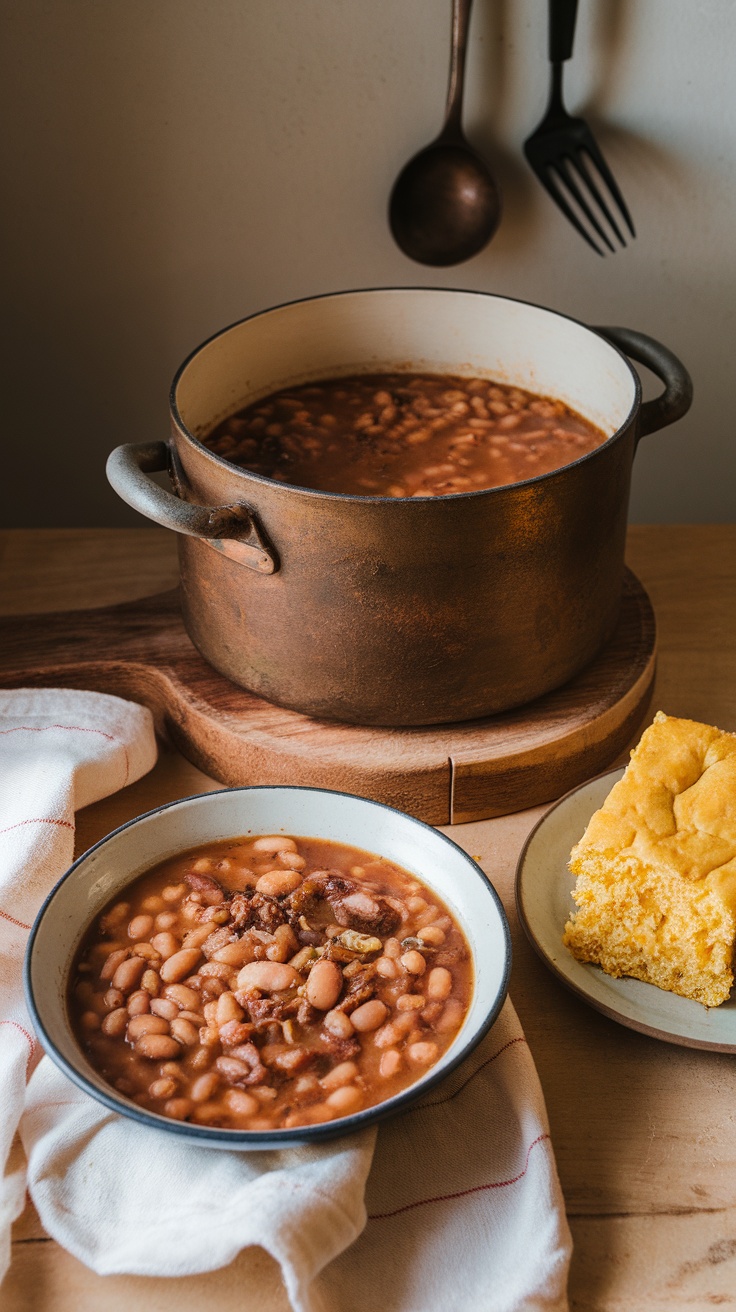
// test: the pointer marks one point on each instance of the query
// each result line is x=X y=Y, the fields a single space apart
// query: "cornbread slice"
x=656 y=867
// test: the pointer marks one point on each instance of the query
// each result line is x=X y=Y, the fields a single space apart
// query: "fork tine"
x=593 y=151
x=565 y=171
x=557 y=196
x=560 y=201
x=587 y=177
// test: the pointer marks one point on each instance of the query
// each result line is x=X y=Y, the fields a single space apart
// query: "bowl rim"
x=280 y=1138
x=311 y=493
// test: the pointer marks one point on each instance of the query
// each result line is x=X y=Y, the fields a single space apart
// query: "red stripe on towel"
x=38 y=820
x=4 y=916
x=418 y=1107
x=26 y=1035
x=76 y=728
x=462 y=1193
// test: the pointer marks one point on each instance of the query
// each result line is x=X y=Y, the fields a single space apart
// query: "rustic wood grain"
x=446 y=773
x=644 y=1133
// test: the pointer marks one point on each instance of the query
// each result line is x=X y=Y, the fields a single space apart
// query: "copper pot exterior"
x=402 y=611
x=410 y=612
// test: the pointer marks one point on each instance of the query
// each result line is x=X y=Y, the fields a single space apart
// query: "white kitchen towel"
x=463 y=1203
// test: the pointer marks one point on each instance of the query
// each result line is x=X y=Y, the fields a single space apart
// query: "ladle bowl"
x=445 y=206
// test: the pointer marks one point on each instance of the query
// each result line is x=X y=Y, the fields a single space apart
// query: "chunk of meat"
x=242 y=1065
x=257 y=909
x=286 y=1057
x=209 y=890
x=352 y=906
x=342 y=1049
x=361 y=987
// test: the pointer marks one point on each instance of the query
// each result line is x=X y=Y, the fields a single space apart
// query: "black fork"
x=562 y=149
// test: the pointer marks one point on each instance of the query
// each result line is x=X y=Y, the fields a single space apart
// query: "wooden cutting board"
x=444 y=774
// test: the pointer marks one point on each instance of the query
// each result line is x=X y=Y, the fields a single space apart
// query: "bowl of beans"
x=402 y=506
x=267 y=966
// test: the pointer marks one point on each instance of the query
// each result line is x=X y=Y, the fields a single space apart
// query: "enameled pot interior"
x=424 y=330
x=140 y=845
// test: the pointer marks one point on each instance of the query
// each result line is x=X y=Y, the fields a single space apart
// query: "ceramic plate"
x=544 y=901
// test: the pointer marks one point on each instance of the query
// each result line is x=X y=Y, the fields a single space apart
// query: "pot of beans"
x=403 y=506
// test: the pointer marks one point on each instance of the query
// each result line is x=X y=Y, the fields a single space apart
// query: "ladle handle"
x=231 y=530
x=460 y=26
x=676 y=399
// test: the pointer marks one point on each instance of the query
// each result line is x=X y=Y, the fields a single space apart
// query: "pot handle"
x=231 y=530
x=677 y=396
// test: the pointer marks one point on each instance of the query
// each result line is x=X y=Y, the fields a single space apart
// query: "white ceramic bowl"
x=113 y=863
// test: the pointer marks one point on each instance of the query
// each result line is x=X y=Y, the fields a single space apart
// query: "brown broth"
x=291 y=1057
x=403 y=435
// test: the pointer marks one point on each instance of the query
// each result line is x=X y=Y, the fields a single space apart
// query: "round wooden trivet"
x=445 y=774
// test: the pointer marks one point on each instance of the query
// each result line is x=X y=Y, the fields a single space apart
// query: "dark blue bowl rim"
x=299 y=1135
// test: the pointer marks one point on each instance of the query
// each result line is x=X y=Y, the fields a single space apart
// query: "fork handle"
x=562 y=16
x=676 y=399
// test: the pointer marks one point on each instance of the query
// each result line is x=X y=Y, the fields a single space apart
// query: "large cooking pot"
x=390 y=611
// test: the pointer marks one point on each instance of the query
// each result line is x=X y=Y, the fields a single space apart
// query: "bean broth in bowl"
x=269 y=983
x=403 y=435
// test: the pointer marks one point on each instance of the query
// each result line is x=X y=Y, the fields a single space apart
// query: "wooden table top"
x=644 y=1132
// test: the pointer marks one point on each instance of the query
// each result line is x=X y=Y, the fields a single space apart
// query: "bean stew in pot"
x=264 y=983
x=403 y=435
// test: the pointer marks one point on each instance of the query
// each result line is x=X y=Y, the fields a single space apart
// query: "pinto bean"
x=139 y=1003
x=276 y=883
x=431 y=934
x=390 y=1063
x=274 y=843
x=164 y=1088
x=386 y=967
x=414 y=962
x=184 y=1032
x=324 y=985
x=164 y=1007
x=345 y=1073
x=204 y=1086
x=339 y=1024
x=228 y=1008
x=439 y=984
x=113 y=961
x=369 y=1015
x=345 y=1100
x=422 y=1053
x=291 y=860
x=185 y=998
x=182 y=963
x=410 y=1002
x=157 y=1047
x=139 y=1025
x=270 y=976
x=178 y=1108
x=240 y=1103
x=235 y=954
x=128 y=974
x=150 y=982
x=173 y=893
x=115 y=1022
x=166 y=944
x=140 y=927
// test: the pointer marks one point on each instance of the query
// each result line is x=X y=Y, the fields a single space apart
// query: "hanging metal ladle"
x=445 y=206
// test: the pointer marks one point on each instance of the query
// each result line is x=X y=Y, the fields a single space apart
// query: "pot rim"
x=311 y=492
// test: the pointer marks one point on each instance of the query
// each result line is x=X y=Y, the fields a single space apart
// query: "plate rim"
x=651 y=1031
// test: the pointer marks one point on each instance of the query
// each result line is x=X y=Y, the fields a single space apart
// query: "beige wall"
x=171 y=165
